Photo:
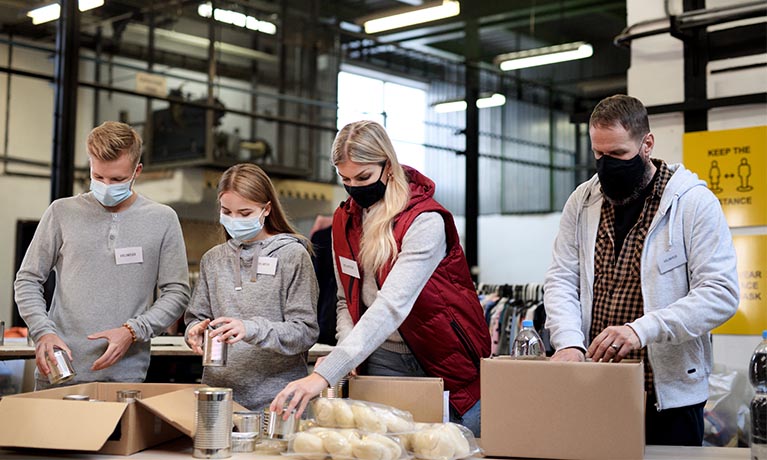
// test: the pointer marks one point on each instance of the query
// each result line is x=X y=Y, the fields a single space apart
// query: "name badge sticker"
x=349 y=267
x=129 y=255
x=267 y=266
x=672 y=259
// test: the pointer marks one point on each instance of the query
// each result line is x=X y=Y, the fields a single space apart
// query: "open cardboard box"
x=546 y=409
x=44 y=420
x=421 y=396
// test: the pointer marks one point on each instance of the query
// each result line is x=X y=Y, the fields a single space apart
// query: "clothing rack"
x=506 y=306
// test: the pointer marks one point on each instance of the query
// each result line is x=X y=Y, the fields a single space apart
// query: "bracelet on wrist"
x=132 y=332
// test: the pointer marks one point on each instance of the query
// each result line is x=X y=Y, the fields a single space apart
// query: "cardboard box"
x=545 y=409
x=44 y=420
x=421 y=396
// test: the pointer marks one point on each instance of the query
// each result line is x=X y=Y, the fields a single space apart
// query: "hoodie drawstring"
x=253 y=268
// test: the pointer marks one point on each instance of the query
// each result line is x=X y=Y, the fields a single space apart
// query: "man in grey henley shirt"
x=110 y=249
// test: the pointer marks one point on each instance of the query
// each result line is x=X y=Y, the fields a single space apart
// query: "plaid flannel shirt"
x=617 y=283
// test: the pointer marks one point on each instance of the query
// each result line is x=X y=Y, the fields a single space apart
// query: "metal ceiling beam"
x=496 y=15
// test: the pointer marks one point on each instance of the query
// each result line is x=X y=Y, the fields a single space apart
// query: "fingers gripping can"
x=61 y=369
x=214 y=352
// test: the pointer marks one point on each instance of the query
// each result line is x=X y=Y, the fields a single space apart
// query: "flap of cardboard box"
x=57 y=424
x=177 y=408
x=421 y=396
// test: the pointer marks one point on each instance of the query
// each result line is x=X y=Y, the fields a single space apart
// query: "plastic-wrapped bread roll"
x=351 y=435
x=309 y=446
x=343 y=414
x=395 y=451
x=367 y=419
x=324 y=412
x=336 y=444
x=395 y=423
x=404 y=440
x=433 y=444
x=462 y=448
x=369 y=449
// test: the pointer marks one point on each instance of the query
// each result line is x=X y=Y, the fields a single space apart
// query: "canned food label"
x=61 y=363
x=217 y=349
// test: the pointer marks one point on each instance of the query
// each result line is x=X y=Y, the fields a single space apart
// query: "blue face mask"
x=244 y=228
x=112 y=194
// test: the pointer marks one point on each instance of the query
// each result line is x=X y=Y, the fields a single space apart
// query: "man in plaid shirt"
x=643 y=268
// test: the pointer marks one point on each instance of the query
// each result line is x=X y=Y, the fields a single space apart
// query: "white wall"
x=514 y=249
x=656 y=77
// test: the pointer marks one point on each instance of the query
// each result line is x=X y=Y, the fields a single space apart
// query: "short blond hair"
x=111 y=139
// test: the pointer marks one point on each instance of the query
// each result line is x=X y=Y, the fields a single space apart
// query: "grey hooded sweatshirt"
x=689 y=282
x=278 y=311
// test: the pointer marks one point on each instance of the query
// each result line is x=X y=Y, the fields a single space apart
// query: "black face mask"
x=620 y=178
x=368 y=195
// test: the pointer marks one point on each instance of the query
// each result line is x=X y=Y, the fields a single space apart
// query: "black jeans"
x=680 y=426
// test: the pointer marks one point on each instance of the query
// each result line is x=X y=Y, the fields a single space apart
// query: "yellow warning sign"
x=751 y=317
x=733 y=163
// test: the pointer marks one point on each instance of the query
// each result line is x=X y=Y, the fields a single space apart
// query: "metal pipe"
x=7 y=108
x=65 y=96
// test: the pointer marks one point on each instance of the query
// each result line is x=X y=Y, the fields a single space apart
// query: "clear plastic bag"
x=344 y=444
x=440 y=441
x=362 y=415
x=726 y=413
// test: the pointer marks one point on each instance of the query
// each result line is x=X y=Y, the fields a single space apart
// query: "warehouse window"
x=398 y=105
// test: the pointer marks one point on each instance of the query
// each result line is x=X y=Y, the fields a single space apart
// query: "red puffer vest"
x=446 y=328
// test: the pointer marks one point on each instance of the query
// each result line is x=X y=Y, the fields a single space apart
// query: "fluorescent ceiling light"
x=52 y=12
x=543 y=56
x=236 y=19
x=432 y=12
x=493 y=100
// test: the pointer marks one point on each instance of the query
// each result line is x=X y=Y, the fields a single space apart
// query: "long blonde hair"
x=252 y=183
x=366 y=142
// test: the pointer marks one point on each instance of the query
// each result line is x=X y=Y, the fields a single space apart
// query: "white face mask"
x=112 y=194
x=243 y=228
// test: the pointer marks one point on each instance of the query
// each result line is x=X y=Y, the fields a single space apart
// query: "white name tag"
x=672 y=259
x=267 y=266
x=349 y=267
x=129 y=256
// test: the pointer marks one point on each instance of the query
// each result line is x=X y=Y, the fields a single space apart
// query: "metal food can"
x=244 y=442
x=213 y=423
x=128 y=396
x=276 y=427
x=247 y=421
x=77 y=398
x=61 y=370
x=214 y=352
x=339 y=390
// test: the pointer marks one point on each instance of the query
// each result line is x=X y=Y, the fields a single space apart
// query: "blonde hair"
x=111 y=139
x=366 y=142
x=252 y=183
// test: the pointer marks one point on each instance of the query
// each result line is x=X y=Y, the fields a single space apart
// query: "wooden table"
x=182 y=449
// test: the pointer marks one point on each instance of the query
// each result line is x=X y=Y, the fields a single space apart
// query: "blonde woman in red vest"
x=406 y=302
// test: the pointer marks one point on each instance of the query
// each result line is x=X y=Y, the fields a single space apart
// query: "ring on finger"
x=615 y=346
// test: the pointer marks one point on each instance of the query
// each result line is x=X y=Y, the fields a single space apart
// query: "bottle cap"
x=764 y=335
x=527 y=323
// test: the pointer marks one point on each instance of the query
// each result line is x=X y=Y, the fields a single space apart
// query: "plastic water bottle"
x=757 y=374
x=527 y=344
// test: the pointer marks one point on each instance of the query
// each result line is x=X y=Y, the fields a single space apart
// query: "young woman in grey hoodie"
x=258 y=290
